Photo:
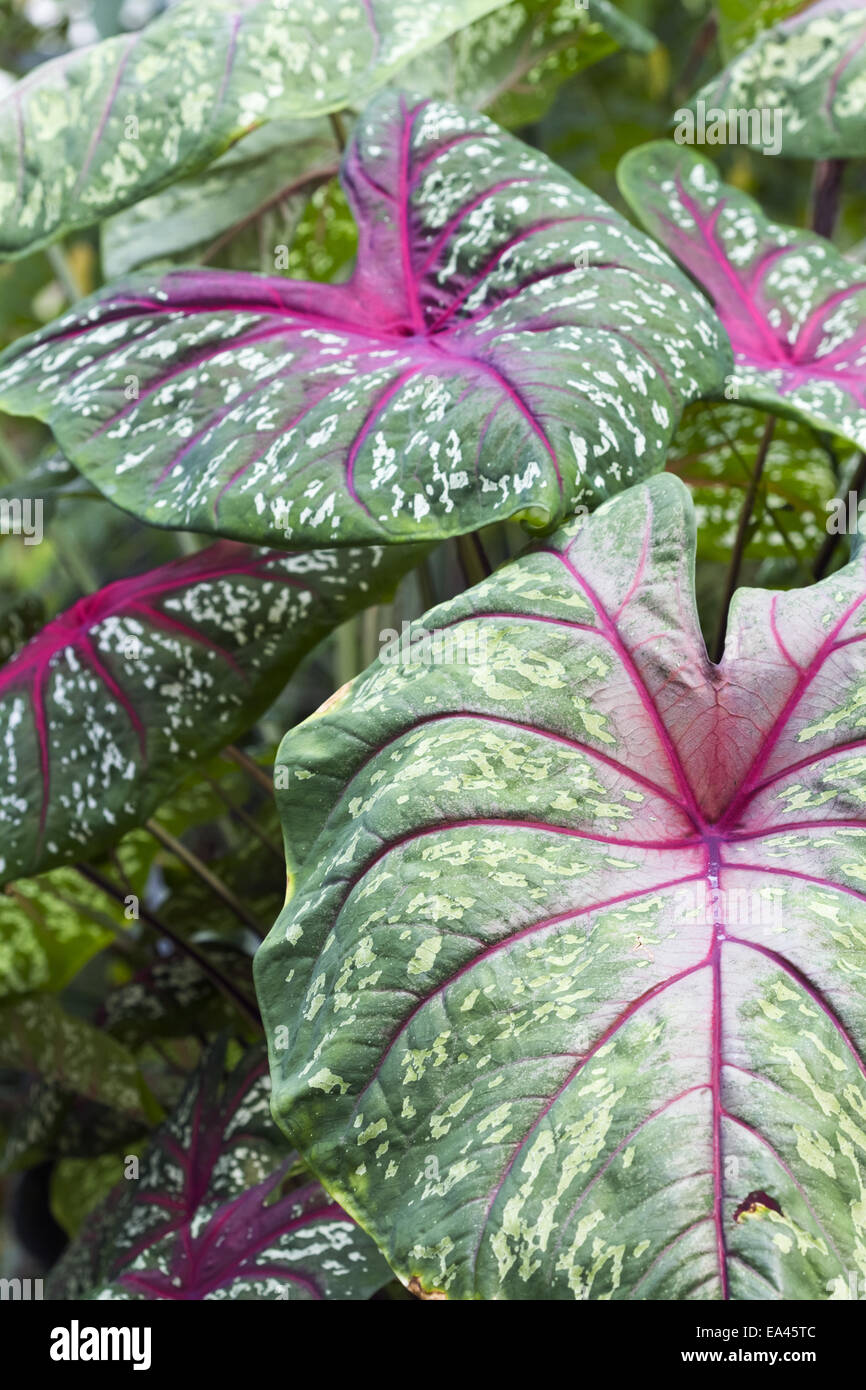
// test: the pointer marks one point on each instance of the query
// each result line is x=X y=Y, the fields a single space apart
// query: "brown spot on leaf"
x=416 y=1289
x=756 y=1204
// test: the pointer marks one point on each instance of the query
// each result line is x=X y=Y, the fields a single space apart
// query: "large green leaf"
x=97 y=129
x=207 y=1217
x=102 y=712
x=714 y=452
x=793 y=307
x=509 y=346
x=809 y=72
x=568 y=1001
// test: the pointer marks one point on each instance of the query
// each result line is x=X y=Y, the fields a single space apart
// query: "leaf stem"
x=826 y=191
x=63 y=273
x=742 y=531
x=243 y=760
x=186 y=947
x=338 y=128
x=831 y=540
x=246 y=819
x=192 y=861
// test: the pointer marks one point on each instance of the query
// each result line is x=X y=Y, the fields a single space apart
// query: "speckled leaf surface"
x=794 y=308
x=507 y=347
x=98 y=129
x=68 y=1055
x=512 y=61
x=207 y=1219
x=714 y=452
x=280 y=161
x=810 y=69
x=101 y=713
x=571 y=981
x=50 y=927
x=741 y=21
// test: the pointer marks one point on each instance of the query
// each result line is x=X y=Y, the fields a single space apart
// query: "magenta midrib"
x=706 y=229
x=403 y=206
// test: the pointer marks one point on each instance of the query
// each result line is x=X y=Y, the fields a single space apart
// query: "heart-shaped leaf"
x=99 y=128
x=206 y=1218
x=794 y=308
x=810 y=72
x=574 y=968
x=508 y=346
x=102 y=711
x=714 y=453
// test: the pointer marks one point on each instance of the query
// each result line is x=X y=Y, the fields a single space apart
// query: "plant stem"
x=63 y=273
x=222 y=983
x=216 y=885
x=426 y=587
x=243 y=760
x=831 y=540
x=703 y=42
x=826 y=189
x=742 y=530
x=246 y=819
x=473 y=561
x=339 y=129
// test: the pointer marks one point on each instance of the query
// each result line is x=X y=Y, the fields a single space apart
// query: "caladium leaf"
x=173 y=998
x=97 y=129
x=508 y=346
x=101 y=713
x=794 y=308
x=511 y=62
x=280 y=161
x=810 y=71
x=741 y=21
x=206 y=1218
x=574 y=962
x=714 y=452
x=40 y=1038
x=50 y=927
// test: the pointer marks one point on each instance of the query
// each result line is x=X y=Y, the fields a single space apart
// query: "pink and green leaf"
x=581 y=916
x=208 y=1217
x=793 y=307
x=508 y=346
x=106 y=125
x=102 y=712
